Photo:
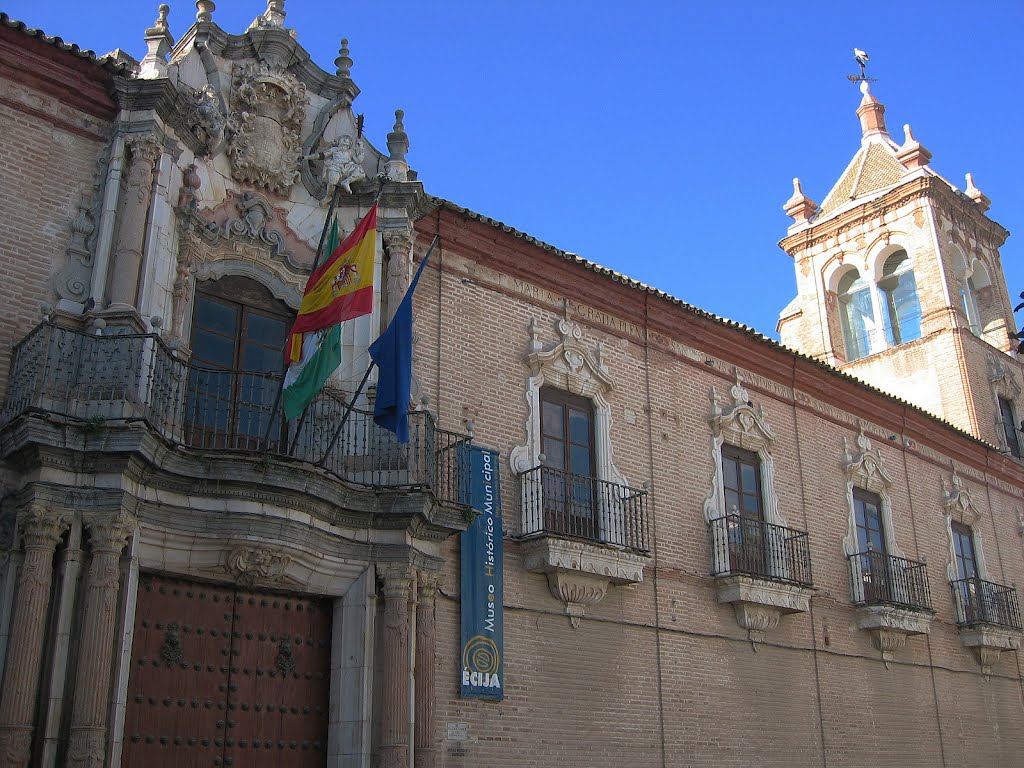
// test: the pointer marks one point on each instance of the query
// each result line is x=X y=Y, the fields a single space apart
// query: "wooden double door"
x=225 y=676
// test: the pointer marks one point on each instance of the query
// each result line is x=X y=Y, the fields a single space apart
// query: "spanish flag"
x=340 y=289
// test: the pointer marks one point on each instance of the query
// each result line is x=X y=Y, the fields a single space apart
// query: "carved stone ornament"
x=578 y=572
x=759 y=604
x=958 y=507
x=890 y=626
x=251 y=564
x=265 y=126
x=571 y=366
x=73 y=281
x=864 y=468
x=987 y=642
x=737 y=422
x=248 y=216
x=204 y=117
x=42 y=527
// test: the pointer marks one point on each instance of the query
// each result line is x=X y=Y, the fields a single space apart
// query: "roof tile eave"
x=105 y=62
x=747 y=330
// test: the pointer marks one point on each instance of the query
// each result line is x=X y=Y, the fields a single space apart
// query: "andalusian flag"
x=339 y=289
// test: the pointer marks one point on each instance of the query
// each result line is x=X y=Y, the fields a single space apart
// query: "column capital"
x=42 y=527
x=109 y=531
x=427 y=584
x=144 y=146
x=396 y=579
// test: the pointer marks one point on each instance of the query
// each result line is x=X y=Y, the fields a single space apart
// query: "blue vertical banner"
x=482 y=668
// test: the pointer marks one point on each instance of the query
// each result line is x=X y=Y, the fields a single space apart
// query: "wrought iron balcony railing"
x=881 y=579
x=982 y=602
x=561 y=503
x=137 y=378
x=752 y=547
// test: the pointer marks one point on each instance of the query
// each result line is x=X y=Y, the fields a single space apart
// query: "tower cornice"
x=931 y=187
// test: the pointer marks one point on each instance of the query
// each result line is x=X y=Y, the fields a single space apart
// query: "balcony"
x=135 y=379
x=989 y=619
x=584 y=533
x=893 y=599
x=762 y=569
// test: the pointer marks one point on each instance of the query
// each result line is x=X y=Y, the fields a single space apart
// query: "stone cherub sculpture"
x=343 y=163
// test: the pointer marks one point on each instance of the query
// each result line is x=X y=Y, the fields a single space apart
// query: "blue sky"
x=656 y=138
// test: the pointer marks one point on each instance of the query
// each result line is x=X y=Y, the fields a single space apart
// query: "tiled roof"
x=747 y=330
x=101 y=61
x=873 y=168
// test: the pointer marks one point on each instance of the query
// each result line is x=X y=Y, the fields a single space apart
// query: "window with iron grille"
x=238 y=335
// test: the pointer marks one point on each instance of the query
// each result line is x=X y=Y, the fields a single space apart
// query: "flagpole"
x=316 y=263
x=366 y=376
x=302 y=416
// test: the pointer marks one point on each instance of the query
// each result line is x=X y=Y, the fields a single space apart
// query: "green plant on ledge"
x=263 y=464
x=92 y=425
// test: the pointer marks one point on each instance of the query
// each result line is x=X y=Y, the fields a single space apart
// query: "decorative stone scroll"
x=265 y=126
x=73 y=281
x=251 y=564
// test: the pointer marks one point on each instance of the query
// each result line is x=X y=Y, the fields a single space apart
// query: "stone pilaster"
x=42 y=530
x=425 y=753
x=394 y=744
x=399 y=246
x=131 y=234
x=108 y=534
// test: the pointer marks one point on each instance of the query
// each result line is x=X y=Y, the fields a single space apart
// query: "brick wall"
x=658 y=673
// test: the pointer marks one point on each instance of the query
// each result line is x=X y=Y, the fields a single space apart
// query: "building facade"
x=718 y=550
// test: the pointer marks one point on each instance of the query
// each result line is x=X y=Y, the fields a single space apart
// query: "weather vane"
x=862 y=58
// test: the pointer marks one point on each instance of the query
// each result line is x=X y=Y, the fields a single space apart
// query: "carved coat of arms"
x=265 y=141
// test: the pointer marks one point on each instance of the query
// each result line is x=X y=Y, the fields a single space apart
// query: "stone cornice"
x=263 y=44
x=182 y=478
x=930 y=187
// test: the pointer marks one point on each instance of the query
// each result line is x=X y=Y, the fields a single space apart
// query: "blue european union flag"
x=392 y=353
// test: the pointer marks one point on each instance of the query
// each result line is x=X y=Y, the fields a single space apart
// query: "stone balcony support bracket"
x=579 y=572
x=759 y=604
x=988 y=641
x=890 y=626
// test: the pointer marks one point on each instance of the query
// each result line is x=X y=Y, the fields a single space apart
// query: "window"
x=858 y=317
x=871 y=548
x=874 y=316
x=567 y=444
x=741 y=480
x=963 y=547
x=238 y=334
x=968 y=297
x=1010 y=429
x=898 y=293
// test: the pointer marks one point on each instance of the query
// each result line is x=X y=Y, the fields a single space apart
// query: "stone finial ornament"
x=979 y=197
x=204 y=11
x=344 y=61
x=799 y=207
x=397 y=168
x=159 y=43
x=161 y=19
x=912 y=155
x=272 y=17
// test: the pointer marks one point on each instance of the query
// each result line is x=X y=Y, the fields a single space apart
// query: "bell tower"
x=899 y=282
